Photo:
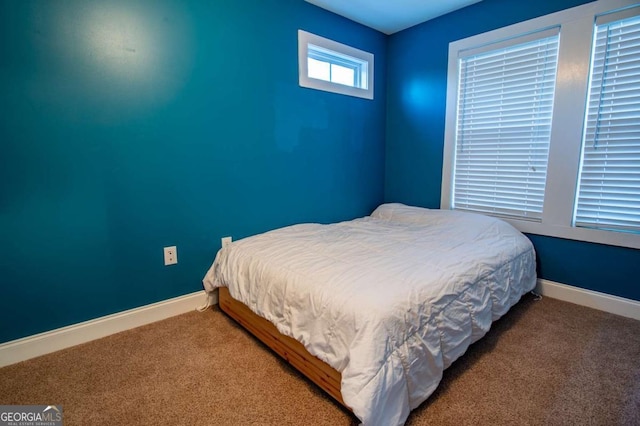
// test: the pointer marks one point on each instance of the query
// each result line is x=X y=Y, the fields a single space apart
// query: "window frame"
x=340 y=50
x=577 y=26
x=586 y=214
x=489 y=189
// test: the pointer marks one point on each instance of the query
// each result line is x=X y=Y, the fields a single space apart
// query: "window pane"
x=609 y=183
x=345 y=67
x=505 y=104
x=342 y=75
x=319 y=69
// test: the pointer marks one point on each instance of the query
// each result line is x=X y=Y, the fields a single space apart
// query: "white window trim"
x=305 y=38
x=567 y=124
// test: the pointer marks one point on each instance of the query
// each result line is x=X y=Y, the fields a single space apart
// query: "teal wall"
x=416 y=99
x=129 y=125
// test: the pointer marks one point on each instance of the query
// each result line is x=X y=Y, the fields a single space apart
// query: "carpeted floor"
x=545 y=363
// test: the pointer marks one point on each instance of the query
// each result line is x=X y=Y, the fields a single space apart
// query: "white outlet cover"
x=225 y=241
x=170 y=255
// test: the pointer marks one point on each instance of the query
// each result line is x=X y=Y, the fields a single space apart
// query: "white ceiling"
x=390 y=16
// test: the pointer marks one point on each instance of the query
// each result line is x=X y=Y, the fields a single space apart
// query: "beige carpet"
x=546 y=362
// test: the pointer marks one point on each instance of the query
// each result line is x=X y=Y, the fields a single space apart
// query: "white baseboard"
x=592 y=299
x=54 y=340
x=51 y=341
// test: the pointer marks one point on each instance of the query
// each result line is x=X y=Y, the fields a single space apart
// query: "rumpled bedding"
x=389 y=300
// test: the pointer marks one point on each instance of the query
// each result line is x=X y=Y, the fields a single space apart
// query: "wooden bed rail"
x=290 y=349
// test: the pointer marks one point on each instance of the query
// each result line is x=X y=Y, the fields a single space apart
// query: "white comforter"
x=389 y=300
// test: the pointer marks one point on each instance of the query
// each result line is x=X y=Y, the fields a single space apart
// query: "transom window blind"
x=505 y=103
x=609 y=183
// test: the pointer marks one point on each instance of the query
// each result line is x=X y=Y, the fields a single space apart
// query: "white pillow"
x=398 y=212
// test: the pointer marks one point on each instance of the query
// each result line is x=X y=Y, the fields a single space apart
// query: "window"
x=323 y=64
x=609 y=191
x=334 y=67
x=505 y=102
x=543 y=124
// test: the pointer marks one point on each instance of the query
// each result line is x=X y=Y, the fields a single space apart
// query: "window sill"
x=612 y=238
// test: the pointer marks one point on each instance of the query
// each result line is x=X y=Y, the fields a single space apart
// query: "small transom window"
x=334 y=67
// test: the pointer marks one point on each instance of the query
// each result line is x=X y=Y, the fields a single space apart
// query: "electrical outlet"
x=170 y=255
x=225 y=241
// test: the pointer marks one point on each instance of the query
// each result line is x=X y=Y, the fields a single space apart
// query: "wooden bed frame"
x=290 y=349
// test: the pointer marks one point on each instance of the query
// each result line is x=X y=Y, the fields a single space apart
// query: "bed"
x=374 y=309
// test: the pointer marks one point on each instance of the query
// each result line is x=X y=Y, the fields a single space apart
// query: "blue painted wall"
x=129 y=125
x=416 y=100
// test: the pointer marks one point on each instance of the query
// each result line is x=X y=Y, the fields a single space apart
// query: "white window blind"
x=609 y=183
x=505 y=103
